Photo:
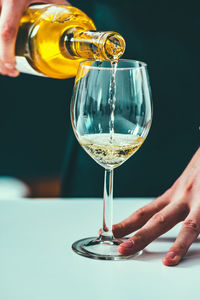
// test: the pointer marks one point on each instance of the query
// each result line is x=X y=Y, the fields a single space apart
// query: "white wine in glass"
x=111 y=113
x=107 y=154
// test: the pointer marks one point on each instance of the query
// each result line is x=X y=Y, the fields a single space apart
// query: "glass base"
x=96 y=248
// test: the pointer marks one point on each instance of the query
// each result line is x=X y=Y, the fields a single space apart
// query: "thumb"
x=9 y=22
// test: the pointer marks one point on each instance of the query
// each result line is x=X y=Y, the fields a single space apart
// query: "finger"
x=8 y=70
x=9 y=22
x=139 y=218
x=156 y=226
x=188 y=234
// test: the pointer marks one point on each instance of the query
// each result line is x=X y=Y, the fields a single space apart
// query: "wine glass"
x=111 y=114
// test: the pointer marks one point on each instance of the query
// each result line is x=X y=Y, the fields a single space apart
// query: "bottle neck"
x=76 y=43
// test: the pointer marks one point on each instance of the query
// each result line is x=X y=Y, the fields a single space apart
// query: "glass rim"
x=143 y=65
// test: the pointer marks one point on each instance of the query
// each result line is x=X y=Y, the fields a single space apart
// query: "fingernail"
x=9 y=66
x=170 y=255
x=14 y=74
x=116 y=226
x=127 y=244
x=171 y=259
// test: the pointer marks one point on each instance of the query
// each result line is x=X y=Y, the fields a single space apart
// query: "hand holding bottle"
x=11 y=13
x=179 y=203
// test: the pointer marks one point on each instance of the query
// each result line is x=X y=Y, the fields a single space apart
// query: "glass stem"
x=106 y=234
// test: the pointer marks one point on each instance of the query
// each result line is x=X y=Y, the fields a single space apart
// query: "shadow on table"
x=150 y=253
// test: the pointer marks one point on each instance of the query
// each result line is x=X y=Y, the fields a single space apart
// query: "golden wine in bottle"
x=53 y=39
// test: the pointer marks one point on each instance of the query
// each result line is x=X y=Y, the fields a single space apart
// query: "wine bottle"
x=53 y=39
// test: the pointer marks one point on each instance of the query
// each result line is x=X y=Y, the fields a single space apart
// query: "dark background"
x=35 y=130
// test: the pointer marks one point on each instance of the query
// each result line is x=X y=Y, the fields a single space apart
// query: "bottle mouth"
x=113 y=45
x=77 y=43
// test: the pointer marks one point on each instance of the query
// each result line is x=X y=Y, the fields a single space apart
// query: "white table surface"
x=37 y=263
